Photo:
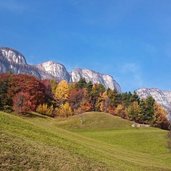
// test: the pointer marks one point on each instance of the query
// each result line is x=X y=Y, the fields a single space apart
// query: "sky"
x=128 y=39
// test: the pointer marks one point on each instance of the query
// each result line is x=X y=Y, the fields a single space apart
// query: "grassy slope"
x=38 y=143
x=93 y=121
x=117 y=131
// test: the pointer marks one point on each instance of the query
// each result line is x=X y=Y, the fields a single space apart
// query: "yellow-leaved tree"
x=62 y=91
x=45 y=109
x=104 y=104
x=64 y=110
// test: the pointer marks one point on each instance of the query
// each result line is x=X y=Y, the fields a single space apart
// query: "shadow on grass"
x=29 y=115
x=34 y=115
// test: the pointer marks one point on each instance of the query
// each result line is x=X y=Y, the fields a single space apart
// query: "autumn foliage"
x=22 y=103
x=45 y=109
x=24 y=93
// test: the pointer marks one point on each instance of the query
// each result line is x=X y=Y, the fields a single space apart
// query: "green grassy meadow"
x=91 y=141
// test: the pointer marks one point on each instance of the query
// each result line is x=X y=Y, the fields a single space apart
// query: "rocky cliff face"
x=12 y=60
x=56 y=70
x=161 y=97
x=95 y=77
x=12 y=56
x=168 y=95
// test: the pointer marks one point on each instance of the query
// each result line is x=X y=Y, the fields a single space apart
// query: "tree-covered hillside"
x=23 y=93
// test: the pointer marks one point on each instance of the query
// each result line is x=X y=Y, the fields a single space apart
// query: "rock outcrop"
x=13 y=61
x=12 y=56
x=54 y=69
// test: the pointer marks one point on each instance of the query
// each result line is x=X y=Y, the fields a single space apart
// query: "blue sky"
x=128 y=39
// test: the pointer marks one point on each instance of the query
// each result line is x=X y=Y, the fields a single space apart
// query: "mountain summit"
x=12 y=55
x=95 y=77
x=12 y=60
x=56 y=70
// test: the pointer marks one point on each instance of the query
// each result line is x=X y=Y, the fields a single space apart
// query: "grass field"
x=91 y=141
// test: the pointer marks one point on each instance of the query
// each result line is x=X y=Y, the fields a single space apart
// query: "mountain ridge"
x=13 y=60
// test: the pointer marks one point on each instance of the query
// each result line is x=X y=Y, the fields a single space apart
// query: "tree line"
x=24 y=93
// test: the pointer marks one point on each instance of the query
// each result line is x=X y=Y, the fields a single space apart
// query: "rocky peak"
x=109 y=82
x=12 y=60
x=12 y=55
x=57 y=70
x=95 y=77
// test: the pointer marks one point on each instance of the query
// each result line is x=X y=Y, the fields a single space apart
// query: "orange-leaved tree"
x=160 y=117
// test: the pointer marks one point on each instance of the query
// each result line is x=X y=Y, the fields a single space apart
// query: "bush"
x=45 y=109
x=64 y=110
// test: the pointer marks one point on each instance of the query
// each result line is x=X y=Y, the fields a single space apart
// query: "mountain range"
x=12 y=60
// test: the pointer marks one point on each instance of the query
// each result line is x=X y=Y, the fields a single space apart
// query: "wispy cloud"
x=12 y=6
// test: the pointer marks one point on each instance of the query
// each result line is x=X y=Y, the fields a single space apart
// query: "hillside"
x=65 y=99
x=37 y=143
x=94 y=121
